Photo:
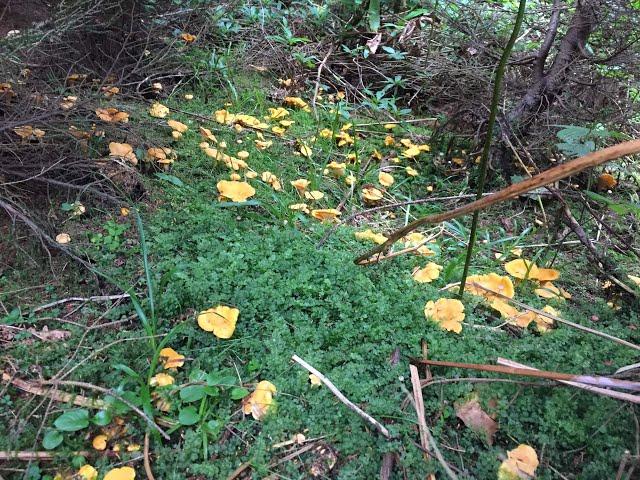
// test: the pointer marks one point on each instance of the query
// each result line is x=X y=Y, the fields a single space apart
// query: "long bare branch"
x=545 y=178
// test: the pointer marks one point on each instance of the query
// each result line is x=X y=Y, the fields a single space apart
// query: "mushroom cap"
x=301 y=207
x=447 y=312
x=371 y=195
x=87 y=472
x=158 y=110
x=260 y=401
x=411 y=171
x=506 y=310
x=324 y=214
x=235 y=191
x=119 y=149
x=177 y=126
x=386 y=179
x=491 y=281
x=606 y=181
x=371 y=236
x=220 y=320
x=99 y=442
x=521 y=462
x=300 y=184
x=170 y=358
x=521 y=268
x=548 y=290
x=122 y=473
x=161 y=380
x=314 y=195
x=206 y=133
x=411 y=152
x=547 y=274
x=428 y=273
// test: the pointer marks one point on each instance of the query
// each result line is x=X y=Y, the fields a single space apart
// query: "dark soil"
x=18 y=14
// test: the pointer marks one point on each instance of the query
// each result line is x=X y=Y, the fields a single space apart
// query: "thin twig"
x=378 y=426
x=580 y=385
x=558 y=319
x=236 y=473
x=39 y=456
x=584 y=380
x=109 y=391
x=97 y=298
x=317 y=88
x=53 y=394
x=426 y=439
x=431 y=120
x=146 y=461
x=545 y=178
x=419 y=406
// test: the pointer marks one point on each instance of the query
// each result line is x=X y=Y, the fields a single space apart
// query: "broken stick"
x=352 y=406
x=547 y=177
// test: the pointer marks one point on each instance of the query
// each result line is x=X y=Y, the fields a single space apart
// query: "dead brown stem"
x=545 y=178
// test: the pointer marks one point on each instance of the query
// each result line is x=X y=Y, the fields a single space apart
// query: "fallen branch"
x=146 y=461
x=97 y=298
x=545 y=178
x=38 y=456
x=390 y=206
x=582 y=386
x=378 y=426
x=419 y=406
x=108 y=391
x=528 y=372
x=555 y=318
x=426 y=439
x=53 y=394
x=317 y=87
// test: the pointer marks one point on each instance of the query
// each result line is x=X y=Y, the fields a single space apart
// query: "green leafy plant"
x=112 y=237
x=577 y=141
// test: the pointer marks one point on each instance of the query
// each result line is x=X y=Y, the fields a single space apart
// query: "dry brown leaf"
x=476 y=419
x=374 y=43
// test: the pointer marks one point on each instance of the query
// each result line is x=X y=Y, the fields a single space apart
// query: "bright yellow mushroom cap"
x=385 y=179
x=170 y=358
x=371 y=195
x=178 y=126
x=122 y=473
x=521 y=463
x=492 y=281
x=521 y=268
x=235 y=191
x=430 y=272
x=220 y=320
x=300 y=184
x=87 y=472
x=260 y=401
x=447 y=312
x=325 y=214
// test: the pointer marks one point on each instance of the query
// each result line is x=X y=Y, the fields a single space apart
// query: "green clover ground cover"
x=344 y=319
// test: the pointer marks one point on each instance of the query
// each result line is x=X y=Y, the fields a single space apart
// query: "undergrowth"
x=344 y=319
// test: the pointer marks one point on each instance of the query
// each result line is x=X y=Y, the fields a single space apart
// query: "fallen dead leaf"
x=476 y=419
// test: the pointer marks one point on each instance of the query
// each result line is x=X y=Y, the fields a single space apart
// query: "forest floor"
x=357 y=325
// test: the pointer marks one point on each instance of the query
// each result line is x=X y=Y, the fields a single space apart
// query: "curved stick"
x=552 y=175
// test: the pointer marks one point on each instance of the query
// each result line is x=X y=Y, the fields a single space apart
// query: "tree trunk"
x=550 y=85
x=547 y=86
